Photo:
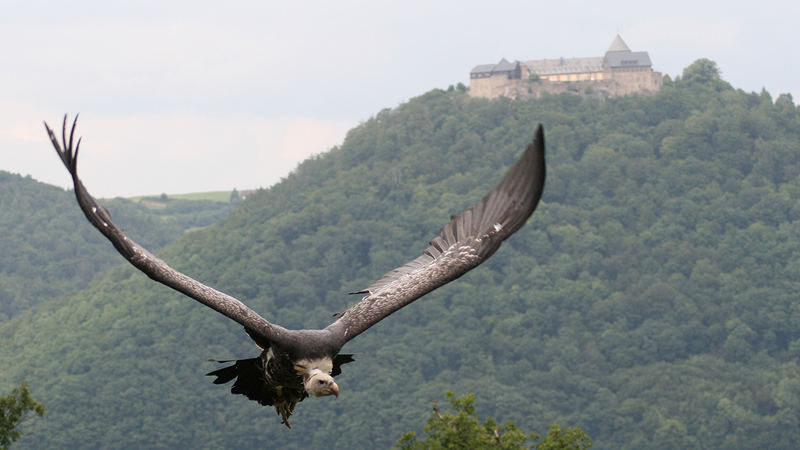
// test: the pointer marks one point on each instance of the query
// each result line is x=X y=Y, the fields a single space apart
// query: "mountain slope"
x=651 y=300
x=47 y=249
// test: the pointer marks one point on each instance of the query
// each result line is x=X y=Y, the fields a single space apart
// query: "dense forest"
x=47 y=249
x=651 y=300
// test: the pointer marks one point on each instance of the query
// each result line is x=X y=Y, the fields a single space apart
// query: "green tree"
x=462 y=429
x=702 y=71
x=235 y=197
x=559 y=439
x=14 y=409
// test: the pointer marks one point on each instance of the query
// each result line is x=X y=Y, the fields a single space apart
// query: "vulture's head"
x=320 y=384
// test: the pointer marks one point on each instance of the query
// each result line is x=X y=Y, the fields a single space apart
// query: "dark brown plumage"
x=296 y=363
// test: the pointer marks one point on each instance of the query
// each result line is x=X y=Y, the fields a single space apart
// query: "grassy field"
x=215 y=196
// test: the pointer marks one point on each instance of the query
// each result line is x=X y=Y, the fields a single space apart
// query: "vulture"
x=294 y=364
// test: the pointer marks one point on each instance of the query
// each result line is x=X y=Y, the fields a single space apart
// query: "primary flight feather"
x=294 y=364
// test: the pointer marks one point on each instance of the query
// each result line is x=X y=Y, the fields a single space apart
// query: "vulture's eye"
x=320 y=382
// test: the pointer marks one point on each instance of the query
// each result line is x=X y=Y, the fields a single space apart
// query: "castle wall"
x=605 y=84
x=494 y=86
x=585 y=76
x=637 y=81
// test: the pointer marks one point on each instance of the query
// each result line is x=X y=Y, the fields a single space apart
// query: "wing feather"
x=467 y=240
x=145 y=261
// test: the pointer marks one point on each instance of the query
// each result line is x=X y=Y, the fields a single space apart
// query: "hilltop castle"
x=619 y=72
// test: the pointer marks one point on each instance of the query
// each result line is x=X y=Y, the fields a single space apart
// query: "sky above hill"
x=187 y=96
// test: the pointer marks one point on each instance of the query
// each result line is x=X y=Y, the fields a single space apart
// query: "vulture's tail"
x=250 y=379
x=227 y=374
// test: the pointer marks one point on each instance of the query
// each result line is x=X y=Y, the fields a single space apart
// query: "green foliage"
x=651 y=300
x=564 y=439
x=15 y=408
x=702 y=71
x=48 y=249
x=464 y=430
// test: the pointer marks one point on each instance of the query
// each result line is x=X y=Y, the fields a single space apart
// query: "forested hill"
x=651 y=300
x=48 y=249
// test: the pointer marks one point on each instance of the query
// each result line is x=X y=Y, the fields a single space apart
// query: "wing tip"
x=537 y=145
x=65 y=148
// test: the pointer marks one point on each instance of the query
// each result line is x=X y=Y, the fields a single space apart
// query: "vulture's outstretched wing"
x=469 y=239
x=152 y=266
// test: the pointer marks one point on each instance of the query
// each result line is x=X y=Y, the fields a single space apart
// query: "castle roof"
x=565 y=65
x=618 y=45
x=502 y=67
x=617 y=56
x=483 y=68
x=628 y=59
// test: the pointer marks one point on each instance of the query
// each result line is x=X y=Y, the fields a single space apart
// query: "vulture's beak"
x=335 y=389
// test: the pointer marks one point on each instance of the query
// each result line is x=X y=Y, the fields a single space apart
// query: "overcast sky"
x=186 y=96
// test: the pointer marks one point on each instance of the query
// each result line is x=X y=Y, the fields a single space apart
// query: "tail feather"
x=225 y=374
x=250 y=380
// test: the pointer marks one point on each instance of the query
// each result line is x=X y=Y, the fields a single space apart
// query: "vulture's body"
x=278 y=376
x=294 y=364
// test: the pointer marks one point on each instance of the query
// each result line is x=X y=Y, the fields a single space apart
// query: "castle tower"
x=632 y=71
x=618 y=45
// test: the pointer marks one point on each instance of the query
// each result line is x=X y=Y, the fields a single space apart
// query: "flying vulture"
x=294 y=364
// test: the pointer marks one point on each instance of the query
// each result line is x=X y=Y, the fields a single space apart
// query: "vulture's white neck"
x=309 y=367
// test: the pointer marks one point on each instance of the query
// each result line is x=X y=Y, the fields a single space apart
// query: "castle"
x=619 y=72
